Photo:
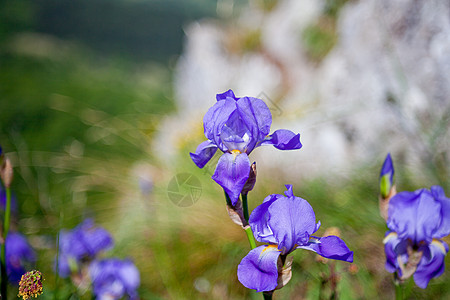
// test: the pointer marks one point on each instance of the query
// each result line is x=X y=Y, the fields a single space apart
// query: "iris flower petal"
x=258 y=270
x=414 y=215
x=259 y=221
x=231 y=173
x=444 y=229
x=257 y=115
x=205 y=151
x=433 y=267
x=215 y=118
x=294 y=221
x=283 y=139
x=225 y=95
x=330 y=247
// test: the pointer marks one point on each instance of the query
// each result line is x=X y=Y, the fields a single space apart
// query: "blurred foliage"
x=79 y=126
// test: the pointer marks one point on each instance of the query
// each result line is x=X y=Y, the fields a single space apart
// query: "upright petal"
x=257 y=116
x=283 y=139
x=259 y=221
x=292 y=221
x=215 y=118
x=231 y=173
x=330 y=247
x=444 y=228
x=433 y=267
x=205 y=151
x=414 y=215
x=225 y=95
x=258 y=270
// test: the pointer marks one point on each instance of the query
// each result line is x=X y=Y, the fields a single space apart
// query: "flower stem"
x=251 y=238
x=268 y=295
x=245 y=205
x=4 y=285
x=398 y=288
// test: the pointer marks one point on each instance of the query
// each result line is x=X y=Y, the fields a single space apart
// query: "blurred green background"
x=84 y=87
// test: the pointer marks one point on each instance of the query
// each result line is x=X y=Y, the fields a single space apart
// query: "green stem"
x=251 y=238
x=245 y=205
x=268 y=295
x=398 y=290
x=4 y=285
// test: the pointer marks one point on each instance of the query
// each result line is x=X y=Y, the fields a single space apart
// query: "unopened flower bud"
x=30 y=285
x=386 y=177
x=6 y=173
x=250 y=184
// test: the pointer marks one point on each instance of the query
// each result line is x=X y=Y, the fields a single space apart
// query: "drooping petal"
x=283 y=139
x=414 y=215
x=231 y=173
x=258 y=270
x=225 y=95
x=391 y=241
x=386 y=176
x=18 y=255
x=205 y=151
x=292 y=221
x=330 y=247
x=257 y=116
x=444 y=228
x=259 y=220
x=433 y=267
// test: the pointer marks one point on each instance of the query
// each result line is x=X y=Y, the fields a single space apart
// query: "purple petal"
x=414 y=215
x=388 y=167
x=390 y=243
x=257 y=116
x=18 y=254
x=227 y=94
x=259 y=220
x=231 y=174
x=432 y=267
x=205 y=151
x=292 y=221
x=444 y=228
x=330 y=247
x=215 y=118
x=259 y=269
x=283 y=139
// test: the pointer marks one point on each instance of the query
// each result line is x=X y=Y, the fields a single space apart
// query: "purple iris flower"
x=286 y=223
x=418 y=221
x=387 y=176
x=18 y=254
x=114 y=278
x=236 y=126
x=81 y=244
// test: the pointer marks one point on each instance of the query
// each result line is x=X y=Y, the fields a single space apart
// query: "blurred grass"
x=80 y=128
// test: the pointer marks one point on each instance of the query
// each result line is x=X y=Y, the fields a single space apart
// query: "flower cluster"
x=114 y=278
x=30 y=285
x=80 y=245
x=78 y=257
x=284 y=223
x=417 y=222
x=237 y=126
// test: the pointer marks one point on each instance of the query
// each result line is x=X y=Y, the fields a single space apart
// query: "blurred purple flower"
x=81 y=244
x=417 y=220
x=387 y=176
x=114 y=278
x=237 y=126
x=3 y=200
x=286 y=223
x=18 y=254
